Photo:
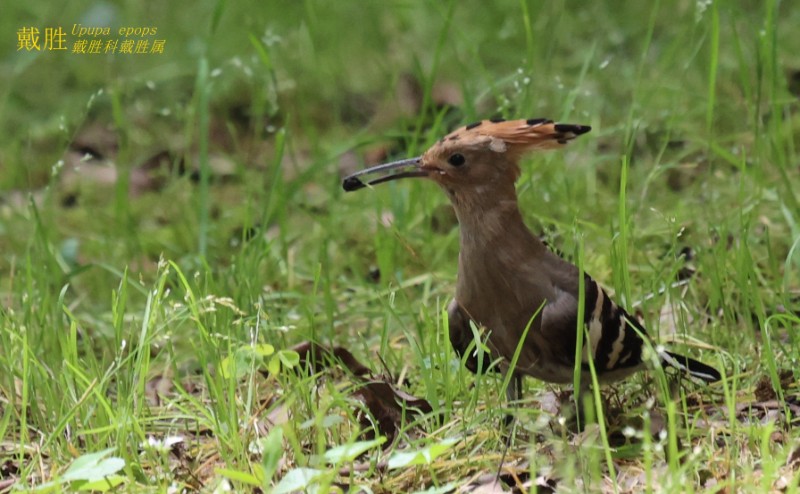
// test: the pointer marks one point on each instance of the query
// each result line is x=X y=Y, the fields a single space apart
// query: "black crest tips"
x=537 y=121
x=574 y=129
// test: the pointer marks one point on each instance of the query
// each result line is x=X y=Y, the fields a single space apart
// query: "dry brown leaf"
x=764 y=390
x=152 y=174
x=385 y=402
x=157 y=388
x=96 y=140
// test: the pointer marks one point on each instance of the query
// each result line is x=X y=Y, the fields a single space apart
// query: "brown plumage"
x=506 y=275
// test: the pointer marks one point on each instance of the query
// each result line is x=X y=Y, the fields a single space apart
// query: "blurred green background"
x=225 y=155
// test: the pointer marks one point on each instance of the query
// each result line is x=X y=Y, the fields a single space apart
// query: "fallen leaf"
x=96 y=140
x=764 y=390
x=157 y=388
x=386 y=404
x=152 y=173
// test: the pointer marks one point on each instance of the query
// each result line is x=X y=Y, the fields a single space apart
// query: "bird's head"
x=480 y=156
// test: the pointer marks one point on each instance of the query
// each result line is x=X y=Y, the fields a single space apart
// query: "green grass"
x=127 y=319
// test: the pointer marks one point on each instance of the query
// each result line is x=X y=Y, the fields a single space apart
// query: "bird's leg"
x=514 y=389
x=513 y=394
x=576 y=409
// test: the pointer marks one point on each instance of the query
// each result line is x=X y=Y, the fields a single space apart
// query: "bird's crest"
x=515 y=136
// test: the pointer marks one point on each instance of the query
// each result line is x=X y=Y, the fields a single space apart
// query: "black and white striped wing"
x=613 y=337
x=609 y=339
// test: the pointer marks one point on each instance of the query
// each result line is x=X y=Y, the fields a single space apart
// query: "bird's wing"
x=612 y=336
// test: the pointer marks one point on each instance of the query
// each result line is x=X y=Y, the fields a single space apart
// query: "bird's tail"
x=690 y=366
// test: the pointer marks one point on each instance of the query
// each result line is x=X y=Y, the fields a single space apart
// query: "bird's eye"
x=456 y=159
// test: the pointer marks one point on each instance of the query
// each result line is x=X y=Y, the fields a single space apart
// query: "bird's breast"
x=503 y=302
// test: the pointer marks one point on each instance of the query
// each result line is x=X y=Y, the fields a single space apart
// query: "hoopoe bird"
x=509 y=283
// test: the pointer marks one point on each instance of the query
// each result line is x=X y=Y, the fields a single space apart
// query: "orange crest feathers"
x=519 y=136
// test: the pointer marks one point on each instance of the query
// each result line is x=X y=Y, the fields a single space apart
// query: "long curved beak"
x=352 y=182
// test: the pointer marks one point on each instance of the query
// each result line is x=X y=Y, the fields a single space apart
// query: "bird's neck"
x=490 y=221
x=494 y=244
